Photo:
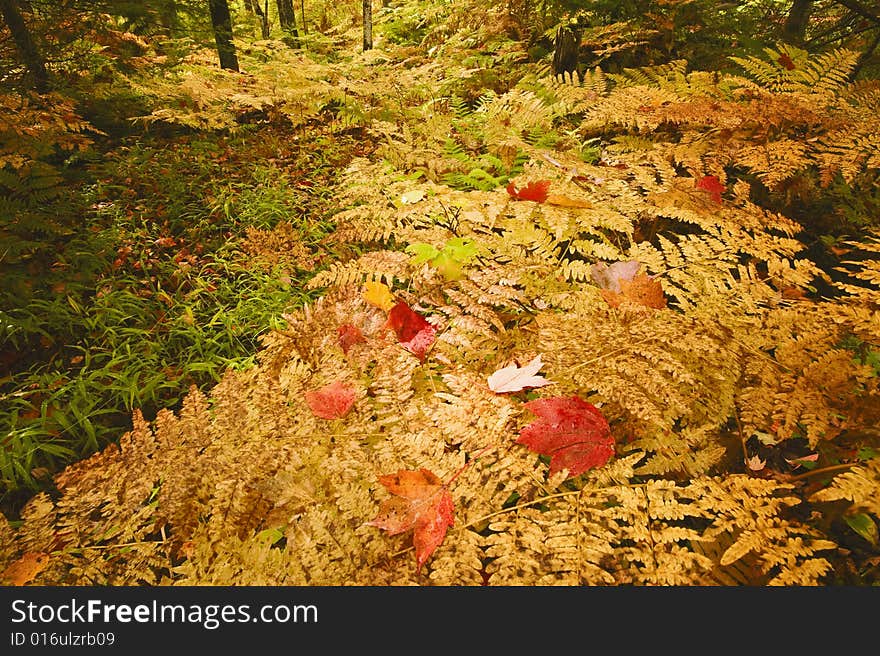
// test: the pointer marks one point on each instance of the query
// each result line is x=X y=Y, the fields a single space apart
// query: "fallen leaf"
x=609 y=277
x=422 y=503
x=571 y=431
x=803 y=460
x=712 y=185
x=378 y=295
x=413 y=196
x=514 y=378
x=785 y=61
x=755 y=463
x=331 y=401
x=565 y=201
x=536 y=191
x=641 y=290
x=348 y=335
x=25 y=569
x=413 y=331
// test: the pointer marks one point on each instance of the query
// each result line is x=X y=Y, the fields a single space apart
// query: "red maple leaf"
x=421 y=502
x=349 y=335
x=413 y=331
x=571 y=431
x=331 y=401
x=711 y=184
x=536 y=191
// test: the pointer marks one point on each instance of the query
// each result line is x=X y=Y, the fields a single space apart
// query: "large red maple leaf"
x=421 y=502
x=571 y=431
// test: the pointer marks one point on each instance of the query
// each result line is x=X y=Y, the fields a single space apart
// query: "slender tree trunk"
x=795 y=27
x=221 y=21
x=287 y=18
x=262 y=16
x=565 y=50
x=368 y=24
x=24 y=42
x=302 y=12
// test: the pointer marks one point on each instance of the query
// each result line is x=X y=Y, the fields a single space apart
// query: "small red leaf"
x=571 y=431
x=712 y=185
x=349 y=335
x=536 y=191
x=331 y=401
x=413 y=331
x=785 y=60
x=421 y=502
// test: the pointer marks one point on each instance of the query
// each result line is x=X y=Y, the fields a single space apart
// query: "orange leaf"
x=536 y=191
x=25 y=569
x=331 y=401
x=421 y=502
x=565 y=201
x=641 y=290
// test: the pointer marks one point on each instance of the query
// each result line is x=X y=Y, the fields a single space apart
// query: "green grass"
x=153 y=295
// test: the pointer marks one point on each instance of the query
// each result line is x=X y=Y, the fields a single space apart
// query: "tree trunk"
x=262 y=16
x=302 y=12
x=287 y=18
x=221 y=21
x=24 y=42
x=565 y=53
x=795 y=27
x=368 y=25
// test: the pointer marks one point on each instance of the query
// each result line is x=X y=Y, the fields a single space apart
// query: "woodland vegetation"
x=440 y=293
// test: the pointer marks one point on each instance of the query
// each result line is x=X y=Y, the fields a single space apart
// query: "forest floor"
x=215 y=242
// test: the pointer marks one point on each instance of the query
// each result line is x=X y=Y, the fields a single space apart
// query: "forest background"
x=453 y=293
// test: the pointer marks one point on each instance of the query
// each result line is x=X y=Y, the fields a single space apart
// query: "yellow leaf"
x=378 y=295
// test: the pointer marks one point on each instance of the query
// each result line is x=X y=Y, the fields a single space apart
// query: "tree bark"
x=24 y=43
x=302 y=12
x=263 y=16
x=368 y=24
x=287 y=18
x=795 y=27
x=565 y=50
x=221 y=21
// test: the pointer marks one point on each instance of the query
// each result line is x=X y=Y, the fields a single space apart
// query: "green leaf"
x=864 y=525
x=449 y=267
x=461 y=249
x=422 y=252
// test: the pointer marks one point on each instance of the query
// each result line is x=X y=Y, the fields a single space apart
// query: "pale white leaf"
x=513 y=378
